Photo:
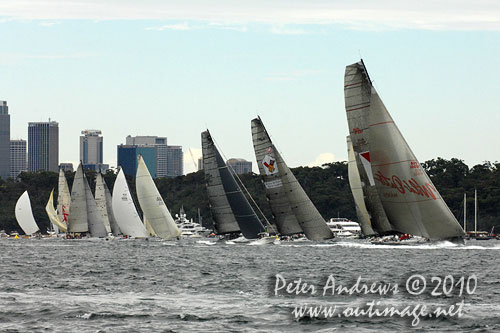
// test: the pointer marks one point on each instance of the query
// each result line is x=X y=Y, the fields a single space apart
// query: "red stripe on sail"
x=361 y=107
x=353 y=84
x=366 y=156
x=385 y=122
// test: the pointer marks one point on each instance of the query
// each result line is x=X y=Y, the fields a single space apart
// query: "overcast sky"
x=173 y=69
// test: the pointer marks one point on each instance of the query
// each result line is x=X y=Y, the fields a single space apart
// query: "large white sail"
x=63 y=199
x=52 y=214
x=152 y=233
x=357 y=192
x=152 y=205
x=96 y=227
x=100 y=200
x=77 y=219
x=411 y=202
x=284 y=182
x=24 y=214
x=124 y=209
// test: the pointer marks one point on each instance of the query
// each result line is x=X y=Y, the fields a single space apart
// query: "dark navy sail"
x=229 y=206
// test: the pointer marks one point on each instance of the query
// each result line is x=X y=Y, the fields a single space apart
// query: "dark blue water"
x=142 y=286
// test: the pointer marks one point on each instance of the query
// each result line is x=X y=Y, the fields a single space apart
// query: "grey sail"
x=286 y=189
x=357 y=192
x=239 y=208
x=77 y=219
x=357 y=105
x=100 y=200
x=96 y=226
x=411 y=202
x=115 y=229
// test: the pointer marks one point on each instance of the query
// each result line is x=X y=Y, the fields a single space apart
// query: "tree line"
x=327 y=186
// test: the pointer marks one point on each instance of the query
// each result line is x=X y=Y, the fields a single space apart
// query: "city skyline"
x=185 y=67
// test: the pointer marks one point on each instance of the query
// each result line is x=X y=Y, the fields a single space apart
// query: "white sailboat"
x=52 y=214
x=153 y=207
x=24 y=214
x=124 y=209
x=100 y=200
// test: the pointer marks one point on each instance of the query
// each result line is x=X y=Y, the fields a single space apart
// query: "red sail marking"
x=405 y=186
x=353 y=84
x=366 y=156
x=65 y=214
x=361 y=107
x=382 y=123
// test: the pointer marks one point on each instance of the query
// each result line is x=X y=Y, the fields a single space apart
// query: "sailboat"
x=153 y=207
x=124 y=209
x=63 y=199
x=292 y=209
x=24 y=214
x=83 y=215
x=104 y=203
x=399 y=195
x=231 y=211
x=52 y=214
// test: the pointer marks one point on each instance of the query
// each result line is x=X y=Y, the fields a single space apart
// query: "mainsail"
x=63 y=199
x=101 y=202
x=357 y=192
x=77 y=219
x=152 y=205
x=230 y=208
x=96 y=227
x=124 y=209
x=286 y=196
x=411 y=202
x=52 y=214
x=24 y=214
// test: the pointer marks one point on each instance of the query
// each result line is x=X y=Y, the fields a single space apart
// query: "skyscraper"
x=4 y=140
x=127 y=158
x=91 y=150
x=240 y=165
x=17 y=157
x=169 y=159
x=43 y=146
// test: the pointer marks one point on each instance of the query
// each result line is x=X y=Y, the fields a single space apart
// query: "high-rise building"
x=66 y=167
x=4 y=140
x=240 y=165
x=169 y=159
x=175 y=161
x=43 y=146
x=127 y=158
x=91 y=151
x=17 y=157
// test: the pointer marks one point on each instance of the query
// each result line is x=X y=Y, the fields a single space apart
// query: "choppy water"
x=143 y=286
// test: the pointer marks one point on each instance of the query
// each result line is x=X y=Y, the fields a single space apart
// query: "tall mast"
x=465 y=212
x=475 y=211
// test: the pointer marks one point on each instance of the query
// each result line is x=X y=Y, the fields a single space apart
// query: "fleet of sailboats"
x=392 y=192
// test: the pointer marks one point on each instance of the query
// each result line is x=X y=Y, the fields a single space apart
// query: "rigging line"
x=239 y=179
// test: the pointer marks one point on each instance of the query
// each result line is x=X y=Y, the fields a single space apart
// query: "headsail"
x=357 y=192
x=152 y=205
x=52 y=214
x=272 y=164
x=77 y=219
x=96 y=226
x=411 y=202
x=115 y=229
x=24 y=214
x=101 y=202
x=220 y=184
x=124 y=209
x=63 y=199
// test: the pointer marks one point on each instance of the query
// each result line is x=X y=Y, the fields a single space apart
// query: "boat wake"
x=205 y=242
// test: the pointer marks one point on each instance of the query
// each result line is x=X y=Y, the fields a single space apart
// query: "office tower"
x=43 y=146
x=4 y=140
x=127 y=158
x=175 y=161
x=91 y=151
x=240 y=165
x=17 y=157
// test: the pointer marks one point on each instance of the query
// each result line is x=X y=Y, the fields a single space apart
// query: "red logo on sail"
x=270 y=166
x=410 y=185
x=357 y=130
x=65 y=214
